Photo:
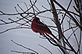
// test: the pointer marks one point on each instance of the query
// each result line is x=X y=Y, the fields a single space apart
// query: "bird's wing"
x=44 y=27
x=42 y=24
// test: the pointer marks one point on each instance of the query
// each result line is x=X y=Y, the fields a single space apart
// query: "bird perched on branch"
x=38 y=27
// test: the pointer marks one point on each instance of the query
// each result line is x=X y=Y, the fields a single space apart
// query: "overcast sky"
x=25 y=37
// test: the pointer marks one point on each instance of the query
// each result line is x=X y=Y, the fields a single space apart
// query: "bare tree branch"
x=46 y=49
x=24 y=47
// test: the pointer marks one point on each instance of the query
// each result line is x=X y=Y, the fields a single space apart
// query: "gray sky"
x=25 y=37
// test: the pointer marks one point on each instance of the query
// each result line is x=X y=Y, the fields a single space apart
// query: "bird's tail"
x=55 y=37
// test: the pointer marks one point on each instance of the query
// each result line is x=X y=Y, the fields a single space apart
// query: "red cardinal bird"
x=38 y=27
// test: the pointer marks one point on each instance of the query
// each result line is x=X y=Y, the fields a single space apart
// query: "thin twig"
x=16 y=10
x=13 y=28
x=20 y=7
x=22 y=52
x=17 y=22
x=72 y=33
x=68 y=14
x=31 y=6
x=67 y=10
x=59 y=51
x=24 y=47
x=46 y=49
